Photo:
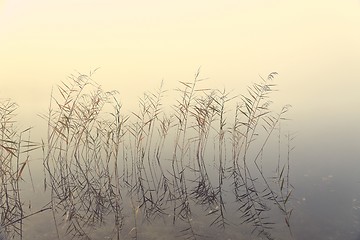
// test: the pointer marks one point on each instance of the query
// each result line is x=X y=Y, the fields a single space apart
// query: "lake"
x=209 y=166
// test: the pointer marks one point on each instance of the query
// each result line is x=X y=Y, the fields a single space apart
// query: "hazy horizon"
x=314 y=46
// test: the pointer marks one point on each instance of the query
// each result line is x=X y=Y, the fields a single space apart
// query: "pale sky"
x=314 y=45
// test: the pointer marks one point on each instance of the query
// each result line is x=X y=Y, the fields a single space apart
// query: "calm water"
x=327 y=183
x=324 y=179
x=326 y=204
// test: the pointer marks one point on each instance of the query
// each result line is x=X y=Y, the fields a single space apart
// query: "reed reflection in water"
x=200 y=165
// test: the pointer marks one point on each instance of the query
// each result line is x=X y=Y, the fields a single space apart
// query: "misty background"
x=313 y=45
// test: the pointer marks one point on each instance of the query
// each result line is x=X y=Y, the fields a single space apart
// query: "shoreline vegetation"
x=200 y=164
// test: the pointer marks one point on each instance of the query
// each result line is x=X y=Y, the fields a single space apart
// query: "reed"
x=15 y=148
x=199 y=160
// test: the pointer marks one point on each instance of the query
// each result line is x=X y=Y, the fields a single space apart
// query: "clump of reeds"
x=152 y=164
x=79 y=154
x=15 y=147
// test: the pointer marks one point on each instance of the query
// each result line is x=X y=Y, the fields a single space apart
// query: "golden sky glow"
x=314 y=45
